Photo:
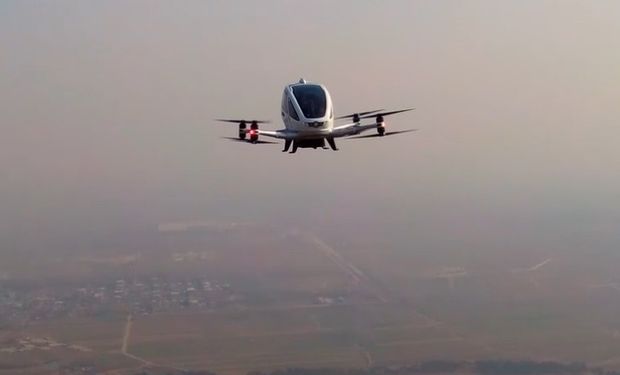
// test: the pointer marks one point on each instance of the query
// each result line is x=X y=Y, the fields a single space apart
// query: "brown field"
x=395 y=310
x=267 y=338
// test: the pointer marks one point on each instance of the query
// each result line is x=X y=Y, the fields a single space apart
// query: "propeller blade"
x=248 y=141
x=388 y=113
x=264 y=142
x=240 y=121
x=359 y=114
x=384 y=135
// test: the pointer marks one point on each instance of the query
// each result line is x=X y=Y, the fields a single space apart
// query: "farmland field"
x=291 y=299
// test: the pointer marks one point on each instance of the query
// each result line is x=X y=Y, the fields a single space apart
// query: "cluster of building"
x=324 y=300
x=140 y=296
x=39 y=343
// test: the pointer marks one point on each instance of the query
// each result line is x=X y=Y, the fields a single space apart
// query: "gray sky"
x=106 y=108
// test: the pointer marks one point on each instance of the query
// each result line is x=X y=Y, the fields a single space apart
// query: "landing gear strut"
x=287 y=144
x=332 y=143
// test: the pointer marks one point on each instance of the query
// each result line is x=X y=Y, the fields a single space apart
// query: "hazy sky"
x=106 y=112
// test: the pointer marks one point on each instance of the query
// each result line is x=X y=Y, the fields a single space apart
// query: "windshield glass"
x=311 y=99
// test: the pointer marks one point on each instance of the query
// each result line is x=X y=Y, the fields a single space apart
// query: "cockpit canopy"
x=311 y=99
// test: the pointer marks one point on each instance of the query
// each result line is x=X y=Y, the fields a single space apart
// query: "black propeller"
x=358 y=114
x=248 y=141
x=384 y=134
x=387 y=113
x=242 y=121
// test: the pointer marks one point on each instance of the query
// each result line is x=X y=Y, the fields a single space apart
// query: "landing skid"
x=332 y=143
x=287 y=144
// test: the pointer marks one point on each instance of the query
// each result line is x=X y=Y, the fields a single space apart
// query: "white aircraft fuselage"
x=307 y=110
